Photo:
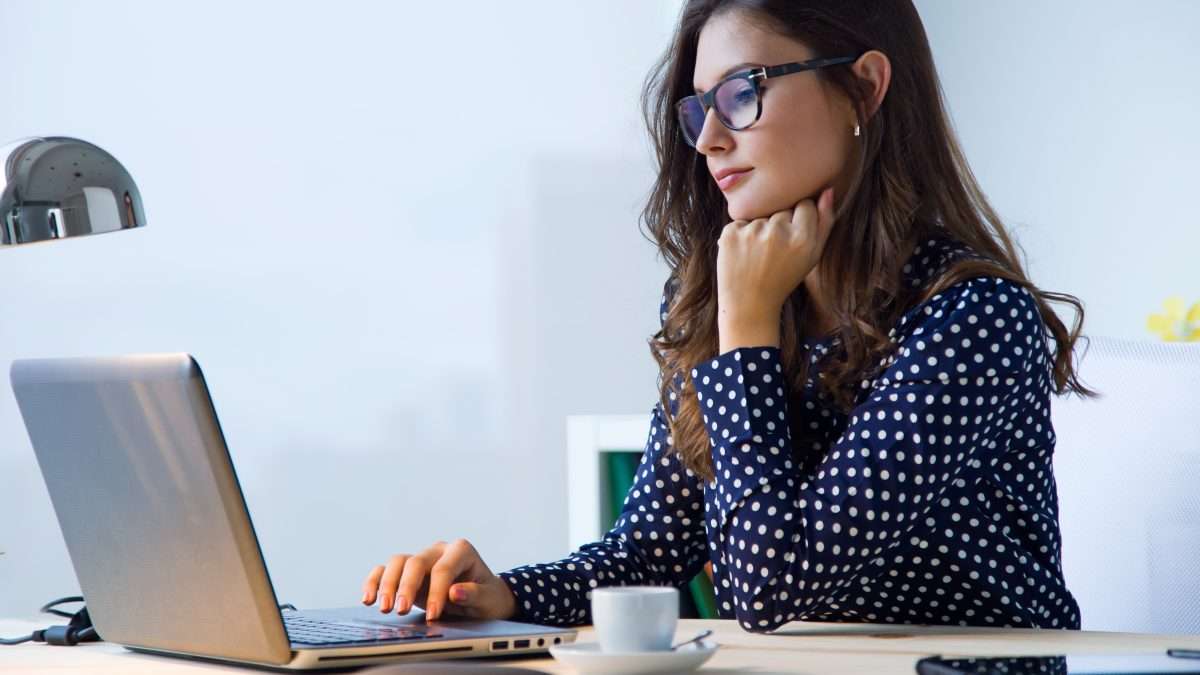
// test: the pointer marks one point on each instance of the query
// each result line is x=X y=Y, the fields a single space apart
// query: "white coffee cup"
x=635 y=618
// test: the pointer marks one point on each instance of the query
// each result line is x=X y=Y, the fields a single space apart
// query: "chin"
x=737 y=206
x=740 y=208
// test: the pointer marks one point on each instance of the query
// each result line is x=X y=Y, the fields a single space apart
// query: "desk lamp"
x=53 y=188
x=58 y=187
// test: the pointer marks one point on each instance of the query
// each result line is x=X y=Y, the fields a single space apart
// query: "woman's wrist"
x=759 y=330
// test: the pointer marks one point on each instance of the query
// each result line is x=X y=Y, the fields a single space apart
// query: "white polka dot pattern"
x=933 y=501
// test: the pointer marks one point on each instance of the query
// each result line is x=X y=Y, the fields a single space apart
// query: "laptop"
x=161 y=540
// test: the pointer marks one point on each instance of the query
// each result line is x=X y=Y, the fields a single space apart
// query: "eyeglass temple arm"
x=776 y=71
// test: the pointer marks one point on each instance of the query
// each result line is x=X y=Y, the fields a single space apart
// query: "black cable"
x=79 y=629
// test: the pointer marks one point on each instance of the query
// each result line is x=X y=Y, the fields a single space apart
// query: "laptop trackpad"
x=373 y=617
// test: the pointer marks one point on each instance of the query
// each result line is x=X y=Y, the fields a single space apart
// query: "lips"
x=726 y=178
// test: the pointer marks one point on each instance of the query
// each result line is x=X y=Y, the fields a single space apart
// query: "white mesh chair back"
x=1128 y=472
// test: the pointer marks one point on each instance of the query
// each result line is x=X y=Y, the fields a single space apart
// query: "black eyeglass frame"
x=755 y=76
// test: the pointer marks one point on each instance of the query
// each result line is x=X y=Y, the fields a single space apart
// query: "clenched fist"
x=761 y=261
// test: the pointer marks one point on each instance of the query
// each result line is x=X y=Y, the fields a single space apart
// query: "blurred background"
x=401 y=239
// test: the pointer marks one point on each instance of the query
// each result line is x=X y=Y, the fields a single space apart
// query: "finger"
x=804 y=220
x=825 y=206
x=454 y=561
x=391 y=577
x=780 y=218
x=411 y=581
x=467 y=598
x=422 y=593
x=371 y=585
x=733 y=228
x=825 y=215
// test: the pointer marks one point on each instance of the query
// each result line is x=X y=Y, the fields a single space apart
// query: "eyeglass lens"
x=735 y=100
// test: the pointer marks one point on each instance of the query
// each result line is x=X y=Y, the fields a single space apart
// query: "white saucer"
x=586 y=657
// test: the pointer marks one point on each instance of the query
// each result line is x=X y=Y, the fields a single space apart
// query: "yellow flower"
x=1176 y=324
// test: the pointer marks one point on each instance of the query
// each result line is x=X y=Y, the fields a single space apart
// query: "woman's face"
x=801 y=143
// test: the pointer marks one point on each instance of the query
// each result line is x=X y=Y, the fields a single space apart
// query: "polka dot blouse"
x=932 y=502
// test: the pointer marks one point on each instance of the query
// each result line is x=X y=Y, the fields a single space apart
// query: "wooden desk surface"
x=799 y=647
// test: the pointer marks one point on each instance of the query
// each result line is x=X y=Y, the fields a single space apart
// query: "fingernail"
x=366 y=597
x=458 y=594
x=402 y=604
x=431 y=611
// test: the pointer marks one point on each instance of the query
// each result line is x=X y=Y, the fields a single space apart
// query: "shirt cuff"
x=745 y=412
x=514 y=585
x=545 y=594
x=741 y=395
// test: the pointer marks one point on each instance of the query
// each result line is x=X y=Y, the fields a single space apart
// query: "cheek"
x=808 y=155
x=792 y=161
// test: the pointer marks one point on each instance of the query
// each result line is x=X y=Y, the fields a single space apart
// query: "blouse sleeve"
x=658 y=540
x=795 y=543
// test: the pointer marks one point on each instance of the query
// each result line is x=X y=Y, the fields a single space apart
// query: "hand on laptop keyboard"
x=443 y=579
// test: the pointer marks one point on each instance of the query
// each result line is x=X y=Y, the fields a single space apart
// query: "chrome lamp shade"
x=58 y=187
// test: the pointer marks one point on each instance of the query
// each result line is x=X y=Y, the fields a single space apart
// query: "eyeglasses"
x=738 y=98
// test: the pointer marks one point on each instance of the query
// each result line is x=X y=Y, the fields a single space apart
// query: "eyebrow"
x=734 y=69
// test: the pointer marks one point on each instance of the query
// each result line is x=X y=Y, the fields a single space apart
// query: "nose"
x=713 y=137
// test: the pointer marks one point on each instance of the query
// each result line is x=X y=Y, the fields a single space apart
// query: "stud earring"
x=857 y=130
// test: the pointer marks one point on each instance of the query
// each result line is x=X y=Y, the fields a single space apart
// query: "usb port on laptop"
x=520 y=644
x=499 y=644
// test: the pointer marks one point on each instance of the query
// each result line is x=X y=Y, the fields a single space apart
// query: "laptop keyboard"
x=309 y=631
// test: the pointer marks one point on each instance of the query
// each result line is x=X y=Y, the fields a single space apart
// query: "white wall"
x=1078 y=117
x=335 y=198
x=399 y=283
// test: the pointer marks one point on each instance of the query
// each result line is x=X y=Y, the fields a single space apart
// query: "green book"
x=704 y=596
x=620 y=468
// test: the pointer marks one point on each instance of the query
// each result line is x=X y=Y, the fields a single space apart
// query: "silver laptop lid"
x=149 y=505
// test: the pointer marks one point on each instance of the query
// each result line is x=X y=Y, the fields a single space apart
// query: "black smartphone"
x=1066 y=664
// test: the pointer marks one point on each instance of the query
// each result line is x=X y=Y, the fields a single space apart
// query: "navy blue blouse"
x=932 y=502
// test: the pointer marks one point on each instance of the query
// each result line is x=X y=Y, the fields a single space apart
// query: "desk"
x=799 y=647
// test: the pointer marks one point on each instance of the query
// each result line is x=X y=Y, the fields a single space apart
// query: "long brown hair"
x=898 y=197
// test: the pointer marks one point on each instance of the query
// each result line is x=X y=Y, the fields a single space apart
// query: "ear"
x=875 y=68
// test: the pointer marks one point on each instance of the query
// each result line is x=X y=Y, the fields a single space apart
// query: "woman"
x=854 y=421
